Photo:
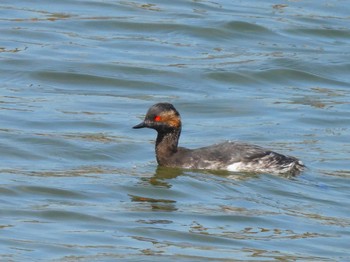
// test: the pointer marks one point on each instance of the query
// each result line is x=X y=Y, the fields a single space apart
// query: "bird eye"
x=157 y=118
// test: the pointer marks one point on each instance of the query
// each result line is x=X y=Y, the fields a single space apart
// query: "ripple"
x=37 y=190
x=249 y=28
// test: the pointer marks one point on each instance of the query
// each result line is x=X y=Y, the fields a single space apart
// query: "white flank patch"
x=235 y=167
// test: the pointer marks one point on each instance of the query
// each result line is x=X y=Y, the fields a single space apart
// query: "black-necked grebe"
x=230 y=155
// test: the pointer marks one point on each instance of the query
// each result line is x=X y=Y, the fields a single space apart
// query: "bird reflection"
x=156 y=204
x=163 y=175
x=153 y=190
x=159 y=180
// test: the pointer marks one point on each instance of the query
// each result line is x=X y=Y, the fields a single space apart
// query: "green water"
x=78 y=184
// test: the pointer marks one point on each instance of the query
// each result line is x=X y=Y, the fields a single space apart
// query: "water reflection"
x=160 y=192
x=163 y=175
x=155 y=204
x=160 y=180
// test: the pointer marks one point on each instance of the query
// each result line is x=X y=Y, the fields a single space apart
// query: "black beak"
x=141 y=125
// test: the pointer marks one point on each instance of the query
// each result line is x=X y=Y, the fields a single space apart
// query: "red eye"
x=157 y=118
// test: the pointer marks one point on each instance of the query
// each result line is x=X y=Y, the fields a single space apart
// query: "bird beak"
x=141 y=125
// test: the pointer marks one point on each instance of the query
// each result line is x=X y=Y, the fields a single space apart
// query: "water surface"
x=79 y=184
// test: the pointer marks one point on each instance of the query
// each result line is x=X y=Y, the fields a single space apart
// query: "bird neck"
x=166 y=144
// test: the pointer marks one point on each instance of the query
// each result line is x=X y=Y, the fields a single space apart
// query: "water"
x=78 y=184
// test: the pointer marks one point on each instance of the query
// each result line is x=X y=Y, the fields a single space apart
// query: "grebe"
x=230 y=155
